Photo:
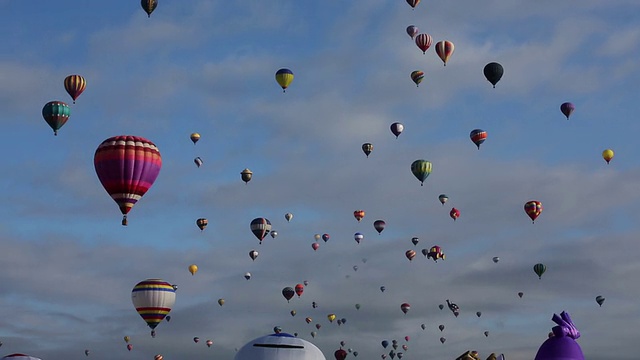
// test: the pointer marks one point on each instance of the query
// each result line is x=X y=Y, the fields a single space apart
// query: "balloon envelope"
x=284 y=77
x=153 y=299
x=493 y=72
x=56 y=114
x=74 y=85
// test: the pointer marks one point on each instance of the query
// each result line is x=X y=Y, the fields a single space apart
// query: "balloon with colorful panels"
x=299 y=289
x=153 y=299
x=202 y=223
x=358 y=214
x=358 y=237
x=56 y=113
x=478 y=136
x=367 y=148
x=539 y=269
x=74 y=85
x=284 y=77
x=396 y=129
x=533 y=209
x=423 y=42
x=417 y=76
x=148 y=6
x=127 y=166
x=421 y=170
x=436 y=253
x=410 y=254
x=444 y=49
x=405 y=307
x=198 y=161
x=194 y=137
x=260 y=227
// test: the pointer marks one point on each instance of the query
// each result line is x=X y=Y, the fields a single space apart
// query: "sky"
x=67 y=266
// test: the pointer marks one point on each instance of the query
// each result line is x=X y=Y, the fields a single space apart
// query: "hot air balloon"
x=486 y=333
x=496 y=259
x=417 y=76
x=284 y=77
x=478 y=313
x=436 y=253
x=441 y=306
x=129 y=347
x=315 y=246
x=493 y=72
x=202 y=223
x=478 y=136
x=326 y=237
x=444 y=49
x=600 y=299
x=410 y=254
x=412 y=31
x=539 y=269
x=405 y=307
x=421 y=170
x=168 y=318
x=127 y=166
x=288 y=216
x=194 y=137
x=382 y=288
x=520 y=294
x=247 y=275
x=308 y=320
x=221 y=301
x=158 y=357
x=246 y=175
x=358 y=237
x=454 y=213
x=423 y=41
x=358 y=214
x=443 y=198
x=75 y=85
x=442 y=340
x=153 y=299
x=358 y=306
x=413 y=3
x=196 y=339
x=299 y=289
x=379 y=225
x=313 y=334
x=288 y=293
x=414 y=241
x=385 y=343
x=367 y=148
x=533 y=208
x=293 y=312
x=423 y=326
x=198 y=161
x=396 y=129
x=331 y=317
x=86 y=352
x=56 y=114
x=260 y=227
x=253 y=254
x=193 y=269
x=455 y=309
x=127 y=339
x=148 y=6
x=567 y=108
x=441 y=327
x=340 y=354
x=607 y=155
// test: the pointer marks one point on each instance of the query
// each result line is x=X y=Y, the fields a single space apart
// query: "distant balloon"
x=358 y=214
x=444 y=49
x=273 y=234
x=441 y=327
x=486 y=333
x=455 y=309
x=600 y=299
x=379 y=225
x=313 y=334
x=493 y=72
x=358 y=306
x=355 y=267
x=478 y=136
x=533 y=208
x=308 y=320
x=284 y=77
x=454 y=213
x=385 y=343
x=412 y=31
x=86 y=352
x=331 y=317
x=441 y=306
x=382 y=288
x=417 y=76
x=358 y=237
x=326 y=237
x=209 y=343
x=127 y=339
x=423 y=41
x=305 y=283
x=198 y=161
x=607 y=155
x=288 y=293
x=196 y=339
x=520 y=294
x=148 y=6
x=158 y=357
x=496 y=259
x=299 y=289
x=340 y=354
x=442 y=340
x=193 y=269
x=397 y=129
x=443 y=198
x=410 y=254
x=260 y=227
x=221 y=301
x=202 y=223
x=253 y=254
x=367 y=148
x=539 y=269
x=414 y=241
x=168 y=318
x=75 y=85
x=423 y=326
x=478 y=313
x=194 y=137
x=315 y=246
x=567 y=109
x=129 y=347
x=288 y=216
x=405 y=307
x=247 y=275
x=435 y=253
x=56 y=114
x=421 y=170
x=413 y=3
x=293 y=312
x=246 y=175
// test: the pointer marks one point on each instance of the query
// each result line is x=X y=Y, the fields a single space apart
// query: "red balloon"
x=533 y=208
x=340 y=354
x=299 y=289
x=454 y=213
x=424 y=41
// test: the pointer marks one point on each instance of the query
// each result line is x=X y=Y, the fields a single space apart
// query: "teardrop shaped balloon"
x=444 y=49
x=441 y=327
x=443 y=198
x=414 y=241
x=153 y=299
x=520 y=294
x=260 y=227
x=478 y=136
x=405 y=307
x=299 y=289
x=127 y=167
x=193 y=269
x=74 y=85
x=198 y=161
x=273 y=234
x=246 y=175
x=221 y=301
x=253 y=254
x=397 y=129
x=496 y=259
x=533 y=209
x=607 y=155
x=247 y=275
x=413 y=3
x=56 y=113
x=284 y=77
x=567 y=109
x=600 y=300
x=421 y=170
x=454 y=214
x=209 y=343
x=423 y=41
x=148 y=6
x=194 y=137
x=331 y=317
x=379 y=225
x=202 y=223
x=442 y=340
x=288 y=216
x=367 y=148
x=417 y=76
x=412 y=31
x=410 y=254
x=493 y=72
x=358 y=237
x=478 y=313
x=358 y=214
x=288 y=293
x=539 y=269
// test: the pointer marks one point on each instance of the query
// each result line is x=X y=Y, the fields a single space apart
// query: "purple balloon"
x=567 y=108
x=412 y=31
x=562 y=345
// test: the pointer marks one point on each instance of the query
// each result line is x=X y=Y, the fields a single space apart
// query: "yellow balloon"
x=607 y=155
x=220 y=302
x=193 y=269
x=331 y=317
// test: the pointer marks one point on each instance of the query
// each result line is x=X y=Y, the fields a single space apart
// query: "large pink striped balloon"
x=423 y=41
x=127 y=166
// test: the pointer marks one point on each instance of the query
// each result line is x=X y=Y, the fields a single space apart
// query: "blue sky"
x=68 y=266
